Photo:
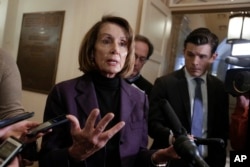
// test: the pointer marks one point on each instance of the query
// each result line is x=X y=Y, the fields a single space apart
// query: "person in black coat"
x=143 y=50
x=178 y=88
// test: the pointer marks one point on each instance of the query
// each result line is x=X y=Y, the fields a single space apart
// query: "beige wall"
x=80 y=15
x=3 y=13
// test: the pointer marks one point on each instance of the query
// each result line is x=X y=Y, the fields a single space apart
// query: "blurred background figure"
x=143 y=50
x=10 y=87
x=11 y=105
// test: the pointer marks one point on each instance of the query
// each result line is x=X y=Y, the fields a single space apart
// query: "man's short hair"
x=201 y=36
x=144 y=39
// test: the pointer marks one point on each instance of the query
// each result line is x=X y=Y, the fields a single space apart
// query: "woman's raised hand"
x=93 y=136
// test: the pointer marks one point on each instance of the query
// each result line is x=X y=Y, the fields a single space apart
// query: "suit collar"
x=127 y=101
x=183 y=87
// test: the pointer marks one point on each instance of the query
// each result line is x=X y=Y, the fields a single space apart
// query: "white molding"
x=212 y=5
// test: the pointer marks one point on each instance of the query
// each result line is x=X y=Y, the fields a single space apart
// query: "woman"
x=111 y=113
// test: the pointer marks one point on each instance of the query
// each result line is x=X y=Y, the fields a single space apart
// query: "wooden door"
x=156 y=25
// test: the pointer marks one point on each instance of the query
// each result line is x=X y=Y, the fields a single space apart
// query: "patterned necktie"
x=197 y=118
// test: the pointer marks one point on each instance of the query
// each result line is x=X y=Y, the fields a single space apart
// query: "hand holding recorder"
x=25 y=132
x=16 y=126
x=11 y=131
x=46 y=126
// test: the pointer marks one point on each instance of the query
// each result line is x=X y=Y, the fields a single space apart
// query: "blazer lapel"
x=86 y=99
x=127 y=102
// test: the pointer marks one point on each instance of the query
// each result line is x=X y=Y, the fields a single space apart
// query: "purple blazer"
x=77 y=97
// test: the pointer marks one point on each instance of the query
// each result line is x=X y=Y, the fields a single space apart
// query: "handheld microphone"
x=172 y=119
x=187 y=149
x=183 y=146
x=243 y=62
x=208 y=141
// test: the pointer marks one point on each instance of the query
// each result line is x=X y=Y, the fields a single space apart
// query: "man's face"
x=141 y=52
x=198 y=58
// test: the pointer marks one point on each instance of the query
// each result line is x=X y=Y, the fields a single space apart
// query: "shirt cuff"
x=170 y=139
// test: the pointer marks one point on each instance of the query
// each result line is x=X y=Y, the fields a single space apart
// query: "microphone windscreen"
x=187 y=149
x=172 y=119
x=243 y=62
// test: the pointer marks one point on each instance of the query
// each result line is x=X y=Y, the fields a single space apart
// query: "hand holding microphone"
x=184 y=146
x=208 y=141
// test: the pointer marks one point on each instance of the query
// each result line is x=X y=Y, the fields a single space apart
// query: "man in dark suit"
x=178 y=88
x=143 y=50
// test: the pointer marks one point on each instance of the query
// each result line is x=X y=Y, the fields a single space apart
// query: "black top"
x=108 y=95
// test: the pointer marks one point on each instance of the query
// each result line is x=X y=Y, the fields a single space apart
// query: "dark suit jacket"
x=143 y=84
x=78 y=97
x=174 y=88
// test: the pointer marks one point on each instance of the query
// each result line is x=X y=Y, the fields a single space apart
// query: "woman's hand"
x=162 y=156
x=92 y=137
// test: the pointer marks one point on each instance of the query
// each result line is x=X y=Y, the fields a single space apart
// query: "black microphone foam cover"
x=172 y=119
x=187 y=149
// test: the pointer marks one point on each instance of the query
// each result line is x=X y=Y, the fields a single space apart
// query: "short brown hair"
x=85 y=58
x=201 y=36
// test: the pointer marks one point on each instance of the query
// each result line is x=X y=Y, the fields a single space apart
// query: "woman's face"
x=111 y=49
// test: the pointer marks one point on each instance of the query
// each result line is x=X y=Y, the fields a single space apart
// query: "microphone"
x=183 y=146
x=187 y=149
x=243 y=62
x=172 y=119
x=208 y=141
